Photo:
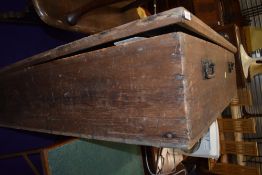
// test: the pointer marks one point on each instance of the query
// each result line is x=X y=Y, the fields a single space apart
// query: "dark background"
x=19 y=41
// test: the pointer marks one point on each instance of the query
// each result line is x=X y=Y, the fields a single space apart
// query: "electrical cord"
x=183 y=170
x=158 y=172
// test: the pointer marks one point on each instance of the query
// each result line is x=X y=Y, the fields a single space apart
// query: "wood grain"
x=239 y=147
x=205 y=99
x=237 y=125
x=148 y=92
x=225 y=168
x=119 y=92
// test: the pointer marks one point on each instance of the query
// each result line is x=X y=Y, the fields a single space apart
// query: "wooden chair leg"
x=30 y=163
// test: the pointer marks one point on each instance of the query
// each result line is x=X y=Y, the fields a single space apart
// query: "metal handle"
x=208 y=68
x=231 y=66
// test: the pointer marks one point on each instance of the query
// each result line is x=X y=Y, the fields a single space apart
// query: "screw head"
x=169 y=135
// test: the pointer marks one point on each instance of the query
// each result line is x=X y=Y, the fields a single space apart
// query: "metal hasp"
x=231 y=66
x=208 y=68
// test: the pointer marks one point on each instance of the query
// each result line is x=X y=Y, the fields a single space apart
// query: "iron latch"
x=208 y=68
x=231 y=66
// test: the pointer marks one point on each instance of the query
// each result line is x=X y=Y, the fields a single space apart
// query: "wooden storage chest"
x=163 y=89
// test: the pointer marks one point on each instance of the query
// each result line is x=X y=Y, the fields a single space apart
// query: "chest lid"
x=177 y=19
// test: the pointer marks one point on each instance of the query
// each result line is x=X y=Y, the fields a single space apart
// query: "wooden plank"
x=44 y=162
x=236 y=114
x=31 y=165
x=223 y=168
x=18 y=154
x=167 y=18
x=245 y=97
x=205 y=104
x=232 y=33
x=239 y=147
x=210 y=11
x=223 y=157
x=111 y=94
x=237 y=125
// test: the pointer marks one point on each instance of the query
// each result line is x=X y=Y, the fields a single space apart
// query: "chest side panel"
x=130 y=93
x=205 y=98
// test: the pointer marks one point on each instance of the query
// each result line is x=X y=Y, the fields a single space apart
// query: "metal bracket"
x=208 y=68
x=231 y=66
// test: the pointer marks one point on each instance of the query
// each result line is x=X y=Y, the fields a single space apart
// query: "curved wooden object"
x=86 y=16
x=255 y=69
x=248 y=62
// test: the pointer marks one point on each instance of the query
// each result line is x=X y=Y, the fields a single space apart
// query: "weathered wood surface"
x=149 y=92
x=210 y=11
x=239 y=147
x=232 y=33
x=205 y=99
x=226 y=168
x=237 y=125
x=167 y=18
